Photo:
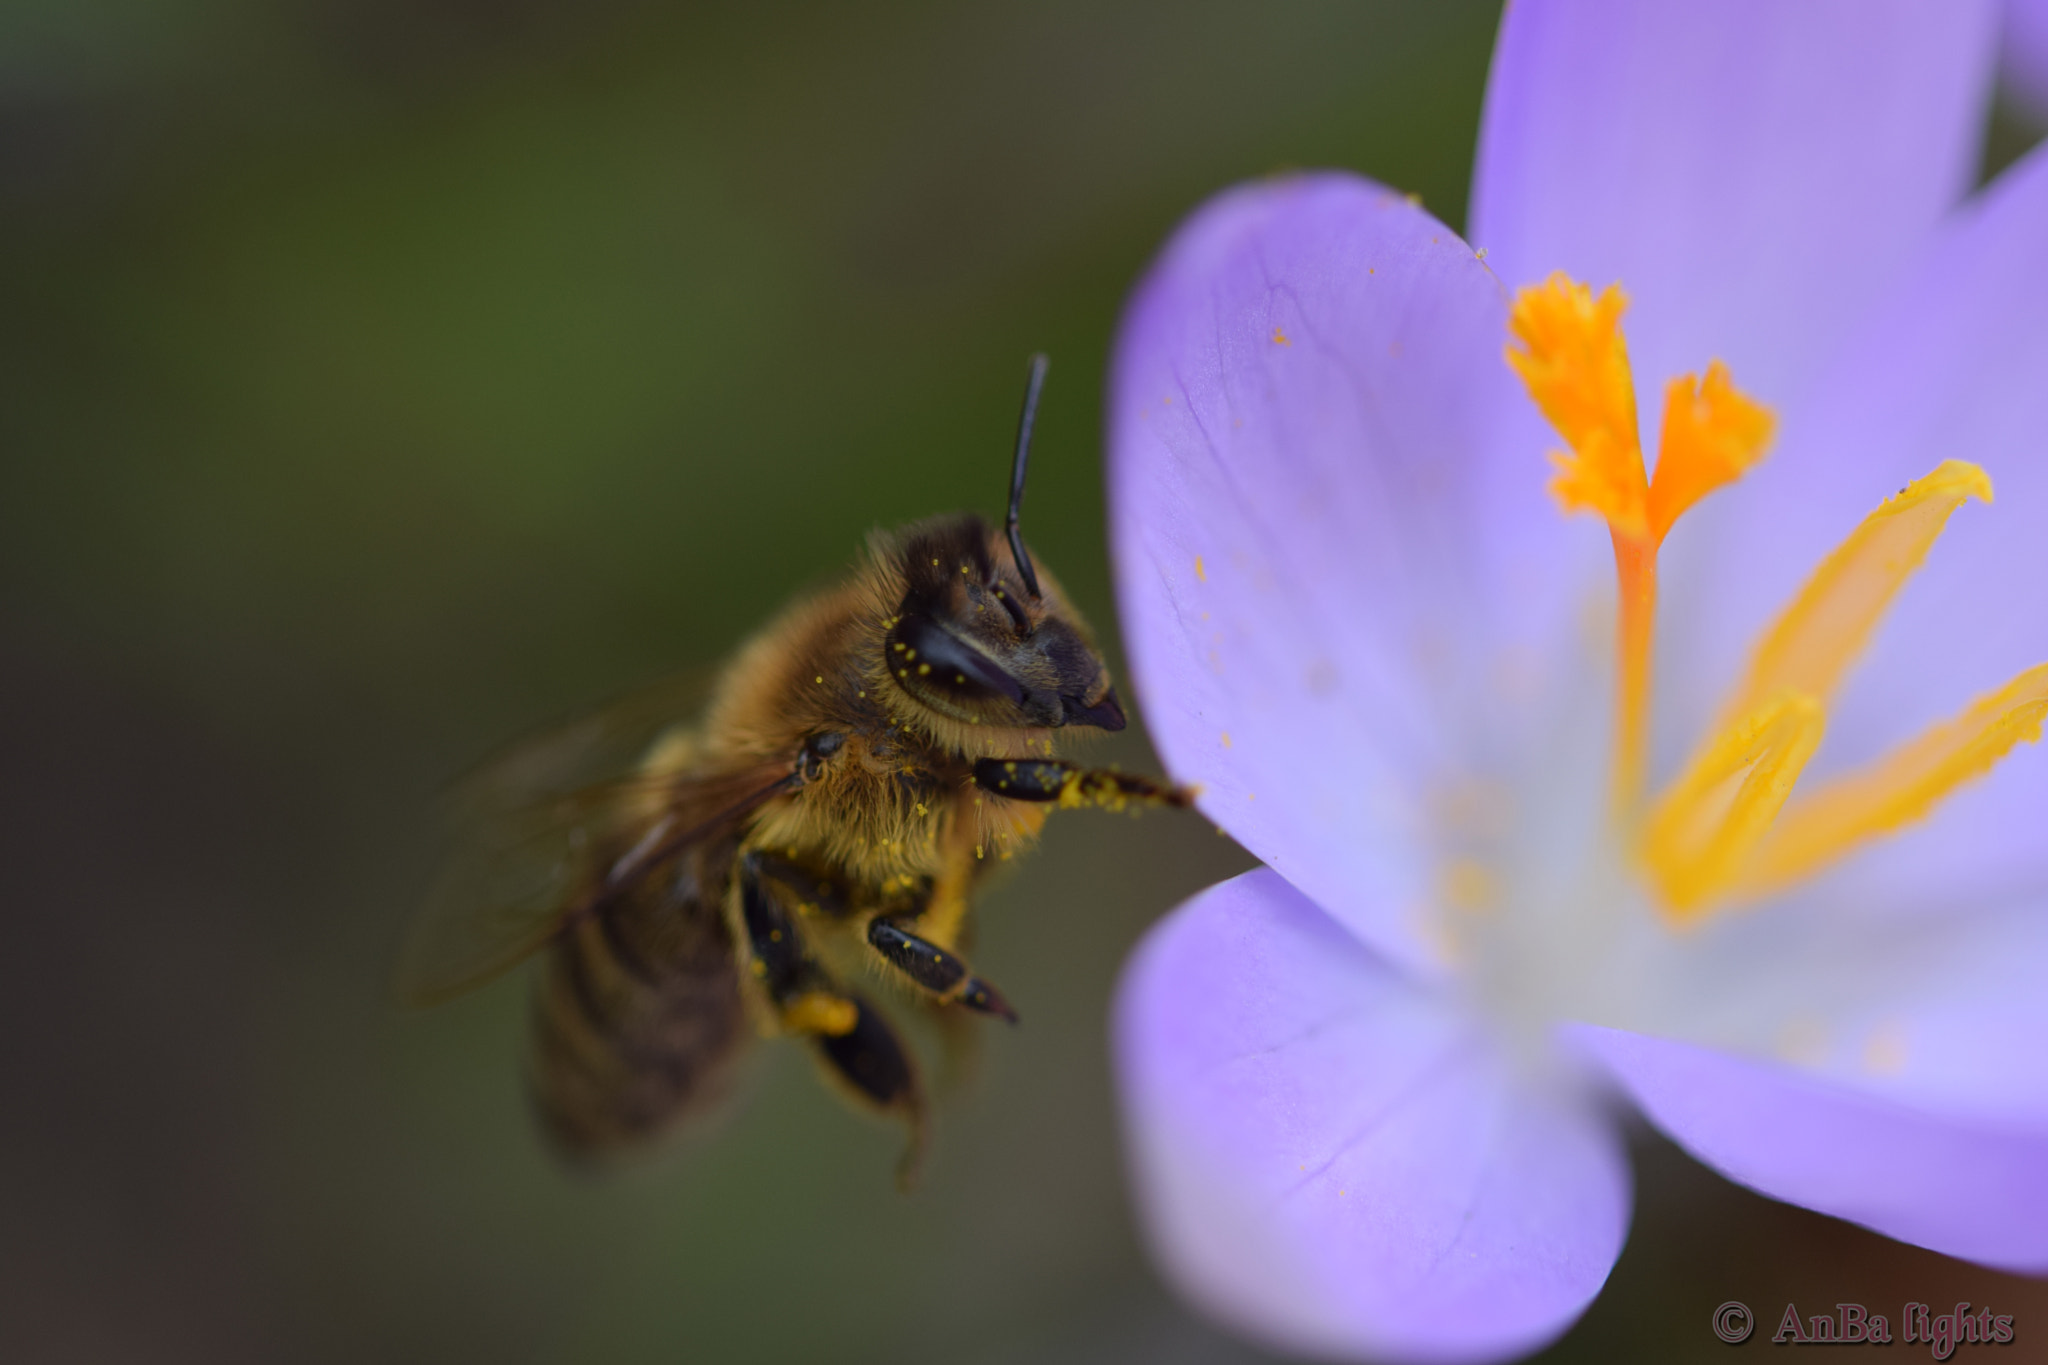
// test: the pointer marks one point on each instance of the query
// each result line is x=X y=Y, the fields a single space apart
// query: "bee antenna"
x=1039 y=364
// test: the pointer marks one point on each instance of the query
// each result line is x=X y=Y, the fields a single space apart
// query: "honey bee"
x=862 y=764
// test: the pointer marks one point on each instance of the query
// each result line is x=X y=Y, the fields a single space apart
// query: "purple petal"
x=1336 y=1159
x=1332 y=542
x=1978 y=1192
x=1954 y=365
x=1942 y=1013
x=2023 y=50
x=1751 y=171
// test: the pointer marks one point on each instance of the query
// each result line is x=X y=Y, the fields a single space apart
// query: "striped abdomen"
x=639 y=1018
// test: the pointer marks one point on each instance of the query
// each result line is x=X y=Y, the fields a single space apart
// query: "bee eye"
x=927 y=658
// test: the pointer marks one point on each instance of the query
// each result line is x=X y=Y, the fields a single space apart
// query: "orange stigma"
x=1574 y=361
x=1728 y=828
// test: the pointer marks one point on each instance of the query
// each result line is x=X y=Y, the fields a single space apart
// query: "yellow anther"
x=1806 y=653
x=1575 y=363
x=1702 y=829
x=1724 y=828
x=1902 y=787
x=1823 y=632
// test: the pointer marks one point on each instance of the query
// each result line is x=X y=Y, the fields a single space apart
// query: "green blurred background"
x=378 y=378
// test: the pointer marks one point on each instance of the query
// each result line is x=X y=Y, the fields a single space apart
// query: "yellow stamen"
x=1698 y=844
x=1704 y=827
x=1724 y=829
x=1574 y=362
x=1902 y=787
x=1816 y=640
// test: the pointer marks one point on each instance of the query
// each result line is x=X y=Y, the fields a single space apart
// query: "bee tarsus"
x=1068 y=784
x=945 y=975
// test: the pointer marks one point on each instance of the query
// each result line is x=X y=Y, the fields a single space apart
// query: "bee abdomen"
x=634 y=1030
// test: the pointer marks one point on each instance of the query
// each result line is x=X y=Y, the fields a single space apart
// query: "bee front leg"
x=1072 y=786
x=944 y=974
x=926 y=963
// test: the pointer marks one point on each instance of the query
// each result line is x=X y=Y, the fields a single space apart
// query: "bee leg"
x=802 y=994
x=942 y=973
x=873 y=1062
x=852 y=1038
x=1072 y=786
x=820 y=895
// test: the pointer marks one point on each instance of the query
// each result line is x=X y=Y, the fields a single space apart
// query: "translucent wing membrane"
x=583 y=753
x=561 y=820
x=493 y=904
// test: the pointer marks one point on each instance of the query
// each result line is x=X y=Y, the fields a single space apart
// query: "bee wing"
x=580 y=755
x=530 y=824
x=496 y=900
x=499 y=900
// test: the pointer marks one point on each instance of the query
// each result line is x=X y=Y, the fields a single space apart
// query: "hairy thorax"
x=896 y=812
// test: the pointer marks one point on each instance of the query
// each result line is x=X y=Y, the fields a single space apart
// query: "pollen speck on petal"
x=1884 y=1051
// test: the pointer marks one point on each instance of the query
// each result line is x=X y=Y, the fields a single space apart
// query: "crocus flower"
x=1752 y=841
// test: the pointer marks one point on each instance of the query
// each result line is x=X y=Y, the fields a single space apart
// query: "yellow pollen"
x=1901 y=788
x=1705 y=825
x=1812 y=645
x=1470 y=886
x=818 y=1012
x=1885 y=1051
x=1729 y=827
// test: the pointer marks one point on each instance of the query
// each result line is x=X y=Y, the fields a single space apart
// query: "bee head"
x=979 y=639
